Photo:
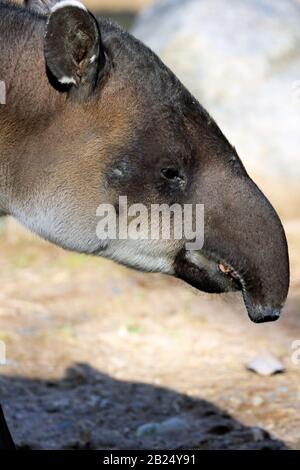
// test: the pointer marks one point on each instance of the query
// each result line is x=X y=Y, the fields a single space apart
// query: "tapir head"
x=130 y=128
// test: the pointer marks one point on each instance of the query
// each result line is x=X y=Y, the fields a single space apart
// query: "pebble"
x=266 y=365
x=257 y=400
x=170 y=425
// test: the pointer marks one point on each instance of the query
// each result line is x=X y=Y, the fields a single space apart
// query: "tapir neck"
x=29 y=102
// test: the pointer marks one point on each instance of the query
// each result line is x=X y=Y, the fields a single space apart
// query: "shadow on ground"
x=90 y=410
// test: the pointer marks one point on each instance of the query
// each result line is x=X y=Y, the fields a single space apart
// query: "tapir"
x=88 y=114
x=91 y=114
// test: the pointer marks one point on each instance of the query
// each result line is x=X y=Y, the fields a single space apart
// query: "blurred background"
x=100 y=356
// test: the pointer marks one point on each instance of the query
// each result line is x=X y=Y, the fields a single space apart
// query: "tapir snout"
x=263 y=254
x=245 y=244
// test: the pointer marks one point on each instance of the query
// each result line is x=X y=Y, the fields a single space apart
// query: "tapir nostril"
x=261 y=314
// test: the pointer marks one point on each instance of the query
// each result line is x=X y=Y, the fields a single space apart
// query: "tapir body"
x=92 y=114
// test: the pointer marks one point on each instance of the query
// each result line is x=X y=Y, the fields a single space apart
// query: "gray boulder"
x=241 y=59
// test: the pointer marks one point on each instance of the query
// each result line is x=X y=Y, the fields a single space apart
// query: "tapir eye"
x=172 y=174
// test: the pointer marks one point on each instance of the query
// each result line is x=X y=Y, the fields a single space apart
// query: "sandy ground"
x=99 y=356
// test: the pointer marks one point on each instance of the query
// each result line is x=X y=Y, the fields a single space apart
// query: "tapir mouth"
x=259 y=314
x=209 y=273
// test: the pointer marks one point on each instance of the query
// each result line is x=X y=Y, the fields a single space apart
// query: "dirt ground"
x=99 y=356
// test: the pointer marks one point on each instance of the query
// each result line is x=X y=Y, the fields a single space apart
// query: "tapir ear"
x=73 y=48
x=40 y=6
